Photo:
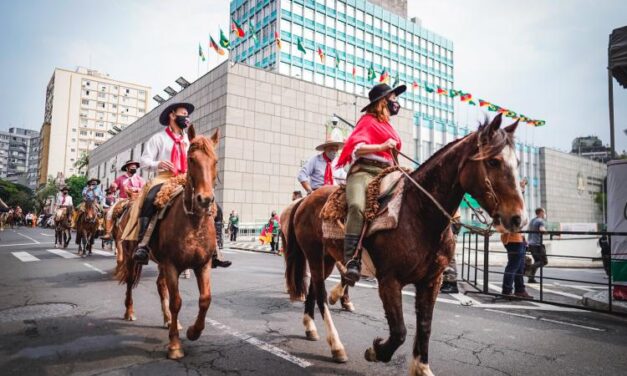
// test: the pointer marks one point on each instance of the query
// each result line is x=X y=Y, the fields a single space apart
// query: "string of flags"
x=371 y=74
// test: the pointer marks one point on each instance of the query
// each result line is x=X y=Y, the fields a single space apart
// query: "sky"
x=544 y=58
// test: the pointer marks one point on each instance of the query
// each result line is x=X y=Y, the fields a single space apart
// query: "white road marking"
x=23 y=244
x=29 y=238
x=102 y=253
x=64 y=254
x=24 y=256
x=44 y=234
x=547 y=320
x=551 y=291
x=261 y=344
x=94 y=268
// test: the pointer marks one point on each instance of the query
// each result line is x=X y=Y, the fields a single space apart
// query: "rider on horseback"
x=64 y=201
x=368 y=151
x=165 y=153
x=91 y=193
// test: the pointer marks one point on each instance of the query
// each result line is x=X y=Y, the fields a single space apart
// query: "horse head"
x=202 y=170
x=60 y=214
x=490 y=175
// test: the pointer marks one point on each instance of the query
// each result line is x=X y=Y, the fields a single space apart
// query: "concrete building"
x=83 y=108
x=270 y=124
x=19 y=156
x=569 y=185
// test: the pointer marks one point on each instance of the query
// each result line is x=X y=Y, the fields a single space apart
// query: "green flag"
x=371 y=73
x=301 y=48
x=201 y=54
x=253 y=32
x=337 y=61
x=429 y=88
x=224 y=41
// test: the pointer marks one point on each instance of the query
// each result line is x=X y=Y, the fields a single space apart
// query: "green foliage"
x=17 y=194
x=81 y=163
x=600 y=198
x=76 y=183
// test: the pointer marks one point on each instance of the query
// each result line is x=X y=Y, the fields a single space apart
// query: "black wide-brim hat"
x=164 y=117
x=128 y=163
x=93 y=179
x=65 y=189
x=381 y=91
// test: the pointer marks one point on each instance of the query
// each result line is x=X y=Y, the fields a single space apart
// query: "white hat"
x=334 y=139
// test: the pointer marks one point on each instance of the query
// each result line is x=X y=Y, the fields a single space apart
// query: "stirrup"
x=141 y=255
x=353 y=271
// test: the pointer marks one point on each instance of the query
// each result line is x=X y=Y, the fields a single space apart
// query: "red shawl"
x=178 y=156
x=369 y=131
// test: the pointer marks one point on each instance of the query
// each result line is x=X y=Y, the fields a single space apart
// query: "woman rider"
x=368 y=151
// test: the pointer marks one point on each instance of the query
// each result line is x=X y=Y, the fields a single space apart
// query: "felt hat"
x=381 y=91
x=335 y=138
x=164 y=117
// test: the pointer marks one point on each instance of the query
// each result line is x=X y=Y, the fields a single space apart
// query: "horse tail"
x=128 y=271
x=295 y=260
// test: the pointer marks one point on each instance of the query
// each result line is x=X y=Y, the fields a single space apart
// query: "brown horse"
x=187 y=242
x=86 y=228
x=483 y=164
x=62 y=232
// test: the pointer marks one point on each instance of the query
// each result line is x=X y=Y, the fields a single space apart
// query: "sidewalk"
x=252 y=246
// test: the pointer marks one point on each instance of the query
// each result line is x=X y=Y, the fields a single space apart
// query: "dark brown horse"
x=62 y=231
x=483 y=164
x=86 y=228
x=188 y=241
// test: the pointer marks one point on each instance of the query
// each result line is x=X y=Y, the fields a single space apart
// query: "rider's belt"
x=372 y=162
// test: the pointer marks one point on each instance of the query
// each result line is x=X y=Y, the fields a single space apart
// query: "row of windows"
x=105 y=88
x=114 y=98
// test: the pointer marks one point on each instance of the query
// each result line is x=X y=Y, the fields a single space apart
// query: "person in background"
x=233 y=225
x=513 y=280
x=297 y=195
x=537 y=249
x=606 y=253
x=320 y=169
x=449 y=277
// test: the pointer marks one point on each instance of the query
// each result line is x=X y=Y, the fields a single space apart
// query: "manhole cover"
x=35 y=311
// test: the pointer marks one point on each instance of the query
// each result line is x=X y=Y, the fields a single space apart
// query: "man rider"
x=65 y=201
x=320 y=169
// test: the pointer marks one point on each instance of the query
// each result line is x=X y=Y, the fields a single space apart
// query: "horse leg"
x=203 y=278
x=162 y=288
x=175 y=351
x=308 y=318
x=333 y=339
x=129 y=313
x=425 y=302
x=345 y=300
x=337 y=292
x=390 y=294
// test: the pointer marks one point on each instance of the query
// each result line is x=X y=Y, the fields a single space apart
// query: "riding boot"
x=142 y=252
x=217 y=263
x=353 y=265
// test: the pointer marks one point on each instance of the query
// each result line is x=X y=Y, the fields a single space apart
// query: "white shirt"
x=159 y=148
x=67 y=202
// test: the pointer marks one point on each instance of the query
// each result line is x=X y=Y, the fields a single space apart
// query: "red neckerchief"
x=178 y=157
x=370 y=131
x=328 y=171
x=63 y=199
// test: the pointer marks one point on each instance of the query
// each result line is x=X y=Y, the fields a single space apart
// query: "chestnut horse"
x=483 y=164
x=86 y=228
x=62 y=232
x=188 y=241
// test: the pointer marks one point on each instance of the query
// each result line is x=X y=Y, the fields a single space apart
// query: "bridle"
x=190 y=212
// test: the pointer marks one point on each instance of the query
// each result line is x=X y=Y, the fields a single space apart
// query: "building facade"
x=570 y=185
x=19 y=156
x=83 y=108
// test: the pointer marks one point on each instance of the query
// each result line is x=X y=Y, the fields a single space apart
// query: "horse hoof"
x=192 y=334
x=348 y=307
x=332 y=299
x=371 y=355
x=175 y=354
x=339 y=356
x=130 y=317
x=312 y=335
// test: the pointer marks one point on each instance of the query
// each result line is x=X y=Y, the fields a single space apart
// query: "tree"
x=76 y=183
x=17 y=194
x=82 y=163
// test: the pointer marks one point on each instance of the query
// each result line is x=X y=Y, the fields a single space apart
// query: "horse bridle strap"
x=191 y=210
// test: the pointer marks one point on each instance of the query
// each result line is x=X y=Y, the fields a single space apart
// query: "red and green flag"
x=277 y=38
x=300 y=46
x=385 y=76
x=453 y=93
x=371 y=73
x=214 y=45
x=321 y=54
x=224 y=41
x=441 y=91
x=237 y=29
x=483 y=103
x=201 y=54
x=465 y=97
x=472 y=103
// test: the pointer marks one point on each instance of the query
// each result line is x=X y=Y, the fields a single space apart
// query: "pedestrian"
x=321 y=169
x=233 y=225
x=449 y=277
x=271 y=232
x=536 y=247
x=368 y=151
x=606 y=253
x=513 y=278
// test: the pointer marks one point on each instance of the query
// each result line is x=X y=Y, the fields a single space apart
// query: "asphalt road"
x=63 y=316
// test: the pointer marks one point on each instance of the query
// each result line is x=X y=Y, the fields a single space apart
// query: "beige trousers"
x=131 y=231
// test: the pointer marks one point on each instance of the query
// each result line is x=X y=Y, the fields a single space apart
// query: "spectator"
x=513 y=277
x=606 y=254
x=449 y=277
x=537 y=249
x=233 y=225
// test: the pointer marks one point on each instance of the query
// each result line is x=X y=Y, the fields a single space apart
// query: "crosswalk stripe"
x=62 y=253
x=102 y=253
x=24 y=256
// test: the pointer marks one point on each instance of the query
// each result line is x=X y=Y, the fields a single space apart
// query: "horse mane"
x=203 y=144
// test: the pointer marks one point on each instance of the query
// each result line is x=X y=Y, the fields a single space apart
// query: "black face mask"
x=182 y=121
x=132 y=171
x=394 y=107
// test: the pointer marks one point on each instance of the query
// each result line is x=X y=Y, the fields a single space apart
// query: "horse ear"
x=512 y=127
x=191 y=132
x=496 y=123
x=216 y=137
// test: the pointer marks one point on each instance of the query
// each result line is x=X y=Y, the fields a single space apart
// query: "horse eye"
x=494 y=163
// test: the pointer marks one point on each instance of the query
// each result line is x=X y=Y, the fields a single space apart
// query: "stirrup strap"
x=148 y=234
x=359 y=249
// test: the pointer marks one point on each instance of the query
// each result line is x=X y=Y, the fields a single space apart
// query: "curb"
x=599 y=300
x=249 y=247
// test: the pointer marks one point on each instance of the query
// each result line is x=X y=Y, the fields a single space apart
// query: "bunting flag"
x=493 y=107
x=321 y=54
x=224 y=41
x=300 y=46
x=415 y=85
x=237 y=29
x=465 y=97
x=511 y=114
x=442 y=91
x=502 y=110
x=277 y=38
x=214 y=45
x=371 y=73
x=201 y=54
x=453 y=93
x=253 y=32
x=337 y=61
x=354 y=71
x=483 y=103
x=384 y=76
x=471 y=102
x=429 y=88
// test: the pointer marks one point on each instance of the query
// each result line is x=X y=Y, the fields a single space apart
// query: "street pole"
x=610 y=86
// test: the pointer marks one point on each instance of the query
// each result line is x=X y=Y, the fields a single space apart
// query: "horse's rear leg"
x=203 y=278
x=129 y=313
x=425 y=301
x=175 y=350
x=308 y=318
x=337 y=348
x=390 y=294
x=162 y=288
x=345 y=300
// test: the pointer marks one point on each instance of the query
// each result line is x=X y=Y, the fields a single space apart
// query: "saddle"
x=383 y=203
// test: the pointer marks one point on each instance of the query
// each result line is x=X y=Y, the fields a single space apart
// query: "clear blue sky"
x=545 y=59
